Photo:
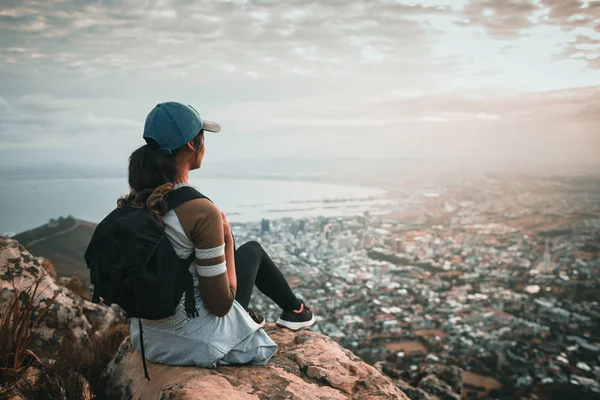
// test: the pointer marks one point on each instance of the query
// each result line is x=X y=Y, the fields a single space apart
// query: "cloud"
x=506 y=20
x=581 y=20
x=42 y=120
x=267 y=37
x=572 y=14
x=78 y=73
x=46 y=103
x=500 y=19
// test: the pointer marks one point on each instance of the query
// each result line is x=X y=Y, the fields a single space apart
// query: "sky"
x=480 y=82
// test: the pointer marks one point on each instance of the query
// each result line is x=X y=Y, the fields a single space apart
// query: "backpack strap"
x=186 y=193
x=143 y=350
x=135 y=293
x=174 y=199
x=182 y=195
x=95 y=280
x=190 y=301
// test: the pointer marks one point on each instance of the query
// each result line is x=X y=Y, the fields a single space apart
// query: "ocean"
x=29 y=202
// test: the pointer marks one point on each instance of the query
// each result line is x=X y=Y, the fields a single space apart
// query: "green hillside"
x=63 y=242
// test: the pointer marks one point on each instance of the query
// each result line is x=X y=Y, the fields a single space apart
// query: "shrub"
x=67 y=372
x=74 y=372
x=16 y=327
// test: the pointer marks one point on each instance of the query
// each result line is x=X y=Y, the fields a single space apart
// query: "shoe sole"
x=295 y=325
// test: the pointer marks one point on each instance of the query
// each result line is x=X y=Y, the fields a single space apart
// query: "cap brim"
x=211 y=126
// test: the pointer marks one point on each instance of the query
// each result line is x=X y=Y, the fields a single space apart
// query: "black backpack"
x=133 y=264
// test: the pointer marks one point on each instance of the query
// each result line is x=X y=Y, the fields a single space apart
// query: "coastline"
x=92 y=197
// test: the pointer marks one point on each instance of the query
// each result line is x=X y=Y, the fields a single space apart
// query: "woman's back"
x=208 y=339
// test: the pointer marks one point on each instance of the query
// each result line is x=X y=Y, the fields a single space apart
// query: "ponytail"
x=152 y=175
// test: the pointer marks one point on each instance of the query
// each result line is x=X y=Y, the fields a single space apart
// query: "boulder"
x=398 y=377
x=307 y=365
x=68 y=316
x=435 y=386
x=431 y=381
x=412 y=392
x=450 y=374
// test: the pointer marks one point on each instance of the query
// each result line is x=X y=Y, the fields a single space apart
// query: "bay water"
x=28 y=202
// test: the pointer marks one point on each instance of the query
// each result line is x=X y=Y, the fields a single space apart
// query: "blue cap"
x=172 y=125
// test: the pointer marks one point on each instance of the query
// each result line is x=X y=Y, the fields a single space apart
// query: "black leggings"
x=253 y=266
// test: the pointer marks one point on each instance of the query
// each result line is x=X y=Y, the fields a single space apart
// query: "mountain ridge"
x=63 y=242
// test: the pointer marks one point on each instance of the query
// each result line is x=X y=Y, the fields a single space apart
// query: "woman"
x=226 y=331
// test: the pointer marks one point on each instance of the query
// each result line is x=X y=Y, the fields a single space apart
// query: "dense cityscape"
x=498 y=277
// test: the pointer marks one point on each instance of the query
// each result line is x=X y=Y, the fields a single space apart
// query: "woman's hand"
x=226 y=229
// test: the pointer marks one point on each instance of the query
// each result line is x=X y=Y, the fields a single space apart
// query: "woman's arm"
x=203 y=222
x=229 y=254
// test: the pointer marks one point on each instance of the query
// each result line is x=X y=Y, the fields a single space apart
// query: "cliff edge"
x=307 y=365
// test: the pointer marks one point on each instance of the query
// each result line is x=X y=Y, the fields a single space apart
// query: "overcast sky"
x=491 y=80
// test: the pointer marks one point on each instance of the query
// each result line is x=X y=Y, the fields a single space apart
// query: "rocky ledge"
x=307 y=365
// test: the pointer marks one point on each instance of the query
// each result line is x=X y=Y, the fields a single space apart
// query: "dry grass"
x=101 y=351
x=68 y=372
x=53 y=380
x=76 y=372
x=16 y=327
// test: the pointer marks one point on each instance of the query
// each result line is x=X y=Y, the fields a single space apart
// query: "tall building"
x=302 y=225
x=293 y=228
x=265 y=226
x=321 y=251
x=327 y=230
x=344 y=244
x=317 y=226
x=547 y=261
x=336 y=227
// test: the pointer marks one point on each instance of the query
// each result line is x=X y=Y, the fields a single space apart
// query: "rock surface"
x=307 y=365
x=430 y=381
x=450 y=374
x=435 y=386
x=69 y=316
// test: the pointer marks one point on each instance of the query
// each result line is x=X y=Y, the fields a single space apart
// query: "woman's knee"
x=252 y=245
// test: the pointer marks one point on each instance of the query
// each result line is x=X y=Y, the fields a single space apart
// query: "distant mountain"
x=62 y=241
